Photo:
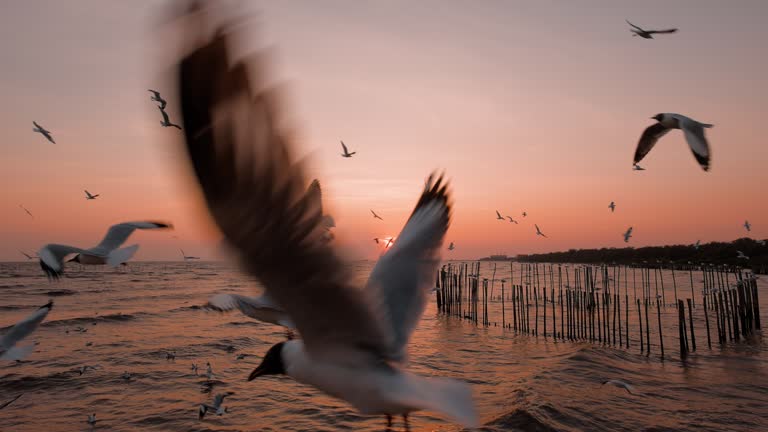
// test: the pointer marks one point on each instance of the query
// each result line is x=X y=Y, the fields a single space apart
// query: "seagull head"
x=272 y=364
x=658 y=117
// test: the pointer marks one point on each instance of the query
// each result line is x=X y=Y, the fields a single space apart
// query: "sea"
x=129 y=319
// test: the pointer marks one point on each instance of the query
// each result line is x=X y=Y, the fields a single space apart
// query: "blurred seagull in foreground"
x=107 y=252
x=216 y=407
x=157 y=98
x=636 y=167
x=354 y=341
x=499 y=216
x=538 y=231
x=166 y=122
x=628 y=235
x=747 y=226
x=88 y=196
x=647 y=34
x=612 y=206
x=41 y=130
x=741 y=255
x=22 y=329
x=346 y=153
x=511 y=220
x=375 y=216
x=692 y=129
x=620 y=384
x=5 y=404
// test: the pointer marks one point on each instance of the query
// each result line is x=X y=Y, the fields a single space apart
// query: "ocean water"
x=128 y=319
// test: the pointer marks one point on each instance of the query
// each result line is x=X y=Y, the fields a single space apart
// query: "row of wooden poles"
x=593 y=308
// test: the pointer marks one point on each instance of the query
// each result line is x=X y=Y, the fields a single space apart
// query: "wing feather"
x=649 y=138
x=694 y=135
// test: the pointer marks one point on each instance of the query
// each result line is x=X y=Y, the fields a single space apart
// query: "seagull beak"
x=259 y=371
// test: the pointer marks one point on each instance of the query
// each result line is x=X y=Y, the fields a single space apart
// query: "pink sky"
x=533 y=106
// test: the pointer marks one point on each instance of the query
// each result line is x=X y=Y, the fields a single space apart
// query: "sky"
x=526 y=106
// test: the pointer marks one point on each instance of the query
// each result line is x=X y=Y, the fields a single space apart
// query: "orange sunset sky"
x=527 y=106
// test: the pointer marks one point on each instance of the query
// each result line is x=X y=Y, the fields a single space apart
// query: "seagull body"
x=157 y=98
x=741 y=255
x=216 y=407
x=612 y=206
x=88 y=196
x=627 y=235
x=346 y=153
x=538 y=231
x=499 y=216
x=747 y=226
x=647 y=34
x=375 y=216
x=5 y=404
x=22 y=329
x=353 y=341
x=166 y=122
x=261 y=308
x=41 y=130
x=692 y=129
x=107 y=252
x=620 y=384
x=450 y=247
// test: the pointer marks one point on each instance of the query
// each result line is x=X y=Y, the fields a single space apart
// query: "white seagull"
x=22 y=329
x=375 y=216
x=88 y=196
x=166 y=122
x=42 y=131
x=747 y=226
x=620 y=384
x=353 y=341
x=627 y=235
x=511 y=220
x=261 y=308
x=636 y=167
x=216 y=407
x=647 y=34
x=157 y=98
x=346 y=153
x=499 y=216
x=107 y=252
x=692 y=129
x=741 y=255
x=612 y=206
x=538 y=231
x=450 y=247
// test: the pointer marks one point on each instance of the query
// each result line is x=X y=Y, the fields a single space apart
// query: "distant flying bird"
x=525 y=214
x=28 y=212
x=157 y=98
x=107 y=252
x=41 y=130
x=620 y=384
x=499 y=216
x=450 y=247
x=627 y=235
x=22 y=329
x=747 y=225
x=216 y=407
x=346 y=153
x=261 y=308
x=511 y=220
x=5 y=404
x=636 y=167
x=741 y=255
x=647 y=34
x=696 y=246
x=187 y=257
x=29 y=257
x=612 y=206
x=538 y=231
x=375 y=216
x=166 y=122
x=692 y=129
x=88 y=196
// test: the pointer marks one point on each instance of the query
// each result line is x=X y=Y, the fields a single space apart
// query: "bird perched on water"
x=375 y=216
x=5 y=404
x=186 y=257
x=83 y=369
x=126 y=376
x=88 y=196
x=627 y=235
x=636 y=167
x=216 y=407
x=647 y=34
x=692 y=129
x=450 y=247
x=107 y=252
x=166 y=122
x=92 y=419
x=511 y=220
x=620 y=384
x=612 y=206
x=22 y=329
x=346 y=153
x=747 y=226
x=41 y=130
x=741 y=255
x=157 y=98
x=353 y=341
x=209 y=371
x=538 y=231
x=499 y=216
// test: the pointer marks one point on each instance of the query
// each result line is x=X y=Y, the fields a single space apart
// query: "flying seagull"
x=499 y=216
x=450 y=247
x=346 y=153
x=22 y=329
x=5 y=404
x=636 y=167
x=627 y=235
x=741 y=255
x=187 y=257
x=747 y=225
x=697 y=244
x=620 y=384
x=28 y=212
x=525 y=214
x=29 y=257
x=647 y=34
x=612 y=206
x=157 y=98
x=353 y=341
x=511 y=220
x=88 y=196
x=41 y=130
x=216 y=407
x=375 y=216
x=692 y=129
x=261 y=308
x=107 y=252
x=538 y=231
x=166 y=122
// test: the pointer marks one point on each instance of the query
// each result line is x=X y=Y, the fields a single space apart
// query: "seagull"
x=696 y=246
x=612 y=206
x=83 y=369
x=627 y=235
x=28 y=212
x=5 y=404
x=741 y=255
x=41 y=130
x=186 y=257
x=157 y=98
x=22 y=329
x=636 y=167
x=450 y=247
x=511 y=220
x=620 y=384
x=692 y=129
x=747 y=225
x=346 y=153
x=538 y=231
x=194 y=368
x=217 y=401
x=170 y=355
x=166 y=122
x=126 y=376
x=107 y=252
x=241 y=356
x=92 y=419
x=375 y=216
x=88 y=196
x=647 y=34
x=208 y=371
x=499 y=216
x=261 y=308
x=353 y=341
x=29 y=257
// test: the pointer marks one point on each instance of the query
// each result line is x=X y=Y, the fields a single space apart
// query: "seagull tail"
x=17 y=352
x=119 y=256
x=447 y=396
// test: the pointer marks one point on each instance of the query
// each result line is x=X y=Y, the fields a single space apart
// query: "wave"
x=518 y=419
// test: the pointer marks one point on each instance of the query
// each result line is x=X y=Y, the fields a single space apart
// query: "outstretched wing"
x=260 y=308
x=674 y=30
x=694 y=135
x=24 y=327
x=118 y=234
x=344 y=147
x=638 y=28
x=649 y=138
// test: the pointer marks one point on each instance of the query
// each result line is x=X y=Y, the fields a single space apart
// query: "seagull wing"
x=344 y=147
x=651 y=134
x=260 y=308
x=402 y=276
x=118 y=234
x=498 y=215
x=694 y=135
x=24 y=327
x=165 y=115
x=255 y=191
x=315 y=195
x=52 y=258
x=634 y=25
x=674 y=30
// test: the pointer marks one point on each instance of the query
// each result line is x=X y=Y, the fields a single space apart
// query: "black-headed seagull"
x=692 y=129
